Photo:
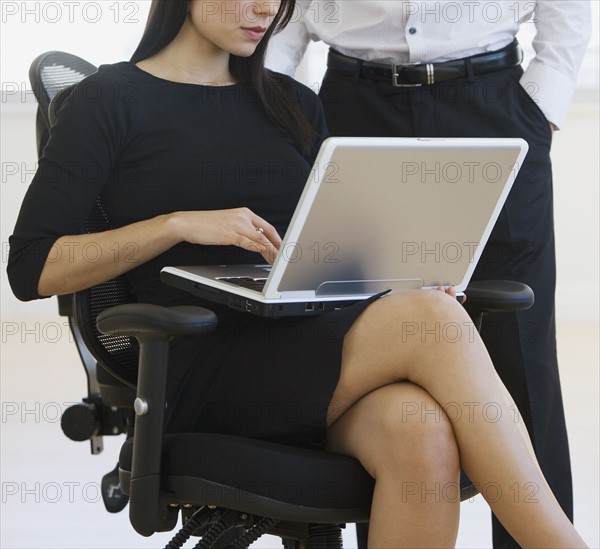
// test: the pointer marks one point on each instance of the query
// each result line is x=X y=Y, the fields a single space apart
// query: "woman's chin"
x=243 y=50
x=242 y=53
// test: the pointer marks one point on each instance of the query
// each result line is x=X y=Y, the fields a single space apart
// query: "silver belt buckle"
x=395 y=75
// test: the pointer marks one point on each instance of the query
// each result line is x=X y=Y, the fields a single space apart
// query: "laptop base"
x=256 y=307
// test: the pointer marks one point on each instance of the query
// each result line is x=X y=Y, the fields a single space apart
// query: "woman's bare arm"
x=81 y=261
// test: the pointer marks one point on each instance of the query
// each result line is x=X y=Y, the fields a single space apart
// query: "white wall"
x=576 y=178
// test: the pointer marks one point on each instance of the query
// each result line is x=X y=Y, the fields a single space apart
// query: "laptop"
x=376 y=214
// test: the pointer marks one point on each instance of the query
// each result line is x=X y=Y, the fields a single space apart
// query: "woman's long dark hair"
x=165 y=20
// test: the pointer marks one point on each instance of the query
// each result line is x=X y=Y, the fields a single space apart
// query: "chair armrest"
x=65 y=304
x=498 y=296
x=143 y=320
x=152 y=326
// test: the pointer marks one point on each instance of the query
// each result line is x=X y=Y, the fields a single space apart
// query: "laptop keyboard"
x=245 y=282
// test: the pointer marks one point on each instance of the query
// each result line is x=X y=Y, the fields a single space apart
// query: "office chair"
x=230 y=490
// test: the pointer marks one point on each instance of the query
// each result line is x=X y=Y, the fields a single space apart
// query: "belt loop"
x=469 y=69
x=358 y=71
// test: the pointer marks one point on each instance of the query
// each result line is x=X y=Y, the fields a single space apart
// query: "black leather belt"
x=407 y=75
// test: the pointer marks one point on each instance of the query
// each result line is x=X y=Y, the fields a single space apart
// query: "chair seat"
x=267 y=479
x=263 y=478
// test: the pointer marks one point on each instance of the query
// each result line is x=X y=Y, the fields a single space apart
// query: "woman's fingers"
x=267 y=250
x=267 y=238
x=266 y=233
x=260 y=236
x=451 y=292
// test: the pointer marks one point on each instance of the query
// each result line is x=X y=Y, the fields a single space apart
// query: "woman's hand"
x=451 y=292
x=236 y=227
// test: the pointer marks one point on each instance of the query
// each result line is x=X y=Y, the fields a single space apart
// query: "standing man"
x=453 y=69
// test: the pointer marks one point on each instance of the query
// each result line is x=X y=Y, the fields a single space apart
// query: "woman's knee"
x=426 y=306
x=398 y=428
x=413 y=317
x=415 y=427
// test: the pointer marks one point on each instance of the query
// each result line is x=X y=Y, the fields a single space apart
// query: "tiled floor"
x=50 y=494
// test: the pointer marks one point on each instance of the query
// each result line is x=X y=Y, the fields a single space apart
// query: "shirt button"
x=412 y=30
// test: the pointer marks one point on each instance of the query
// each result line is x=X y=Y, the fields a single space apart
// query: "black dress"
x=147 y=147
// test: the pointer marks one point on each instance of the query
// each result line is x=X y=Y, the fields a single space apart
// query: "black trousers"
x=523 y=344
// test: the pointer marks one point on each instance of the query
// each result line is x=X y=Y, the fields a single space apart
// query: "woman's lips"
x=256 y=33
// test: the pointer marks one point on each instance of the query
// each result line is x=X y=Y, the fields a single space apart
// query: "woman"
x=199 y=156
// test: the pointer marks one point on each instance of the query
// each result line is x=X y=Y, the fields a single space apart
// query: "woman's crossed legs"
x=419 y=350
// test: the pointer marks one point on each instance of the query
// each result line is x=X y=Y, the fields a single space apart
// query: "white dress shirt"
x=403 y=31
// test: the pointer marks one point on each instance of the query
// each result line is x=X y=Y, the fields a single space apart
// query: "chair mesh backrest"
x=50 y=74
x=57 y=77
x=117 y=354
